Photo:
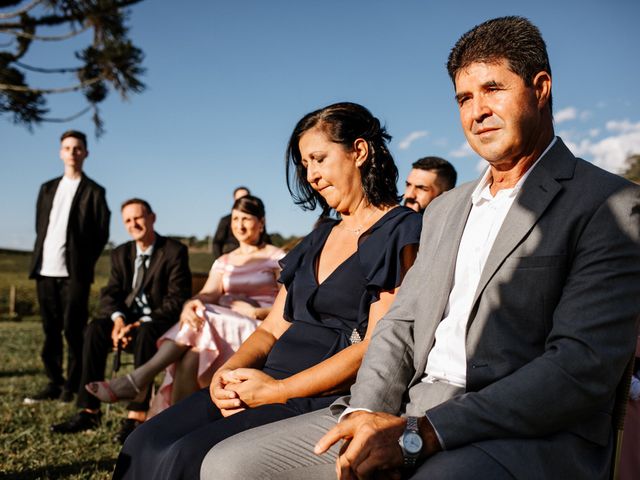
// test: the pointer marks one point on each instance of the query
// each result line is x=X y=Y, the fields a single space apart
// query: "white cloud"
x=594 y=132
x=569 y=113
x=406 y=142
x=622 y=126
x=463 y=151
x=612 y=151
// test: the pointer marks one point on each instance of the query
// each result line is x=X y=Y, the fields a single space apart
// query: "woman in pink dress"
x=241 y=287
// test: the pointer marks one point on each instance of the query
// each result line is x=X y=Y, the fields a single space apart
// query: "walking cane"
x=115 y=367
x=116 y=359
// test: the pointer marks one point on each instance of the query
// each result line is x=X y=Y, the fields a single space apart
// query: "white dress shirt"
x=54 y=263
x=447 y=360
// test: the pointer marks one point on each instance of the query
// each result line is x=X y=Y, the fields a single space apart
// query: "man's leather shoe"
x=127 y=426
x=80 y=422
x=50 y=392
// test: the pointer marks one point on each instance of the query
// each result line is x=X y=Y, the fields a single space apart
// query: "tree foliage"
x=633 y=168
x=111 y=61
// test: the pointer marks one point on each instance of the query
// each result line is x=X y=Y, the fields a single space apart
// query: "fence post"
x=12 y=303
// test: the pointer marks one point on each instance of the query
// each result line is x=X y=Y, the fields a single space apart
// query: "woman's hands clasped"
x=193 y=314
x=235 y=390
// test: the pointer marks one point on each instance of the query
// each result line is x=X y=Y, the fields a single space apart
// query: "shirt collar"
x=481 y=192
x=148 y=251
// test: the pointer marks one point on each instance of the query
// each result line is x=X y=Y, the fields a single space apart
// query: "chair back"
x=618 y=414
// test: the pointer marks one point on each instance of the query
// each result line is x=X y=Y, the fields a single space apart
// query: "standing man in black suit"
x=223 y=240
x=72 y=228
x=149 y=282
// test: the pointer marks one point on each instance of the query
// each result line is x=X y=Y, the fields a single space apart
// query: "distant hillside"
x=10 y=251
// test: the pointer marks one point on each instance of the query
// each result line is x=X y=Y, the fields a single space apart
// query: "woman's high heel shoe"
x=105 y=391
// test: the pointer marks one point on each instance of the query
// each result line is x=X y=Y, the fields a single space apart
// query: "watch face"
x=412 y=443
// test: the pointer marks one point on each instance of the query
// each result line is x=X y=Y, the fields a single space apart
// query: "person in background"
x=149 y=282
x=237 y=296
x=223 y=239
x=428 y=178
x=72 y=228
x=337 y=283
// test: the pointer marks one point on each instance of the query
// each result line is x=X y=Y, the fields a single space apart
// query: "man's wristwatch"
x=411 y=442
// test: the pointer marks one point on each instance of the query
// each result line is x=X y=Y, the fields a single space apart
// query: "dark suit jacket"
x=552 y=324
x=223 y=239
x=87 y=231
x=167 y=283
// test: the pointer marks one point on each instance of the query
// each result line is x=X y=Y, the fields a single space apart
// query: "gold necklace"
x=358 y=230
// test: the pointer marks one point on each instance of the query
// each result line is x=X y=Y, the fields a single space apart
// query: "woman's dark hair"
x=253 y=206
x=344 y=123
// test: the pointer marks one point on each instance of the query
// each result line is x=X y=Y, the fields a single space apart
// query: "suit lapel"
x=130 y=265
x=441 y=263
x=535 y=196
x=79 y=192
x=47 y=205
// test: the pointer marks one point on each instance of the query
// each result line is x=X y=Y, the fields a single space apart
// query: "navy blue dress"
x=325 y=318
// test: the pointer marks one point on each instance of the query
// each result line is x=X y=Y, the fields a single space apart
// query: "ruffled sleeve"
x=381 y=259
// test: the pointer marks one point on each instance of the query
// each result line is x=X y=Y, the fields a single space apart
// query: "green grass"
x=28 y=450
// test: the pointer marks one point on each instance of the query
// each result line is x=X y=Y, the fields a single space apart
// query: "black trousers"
x=64 y=307
x=172 y=445
x=98 y=344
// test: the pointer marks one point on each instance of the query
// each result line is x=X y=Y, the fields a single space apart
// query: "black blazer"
x=167 y=283
x=223 y=239
x=87 y=231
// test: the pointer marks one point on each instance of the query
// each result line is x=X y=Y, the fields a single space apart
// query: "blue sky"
x=228 y=80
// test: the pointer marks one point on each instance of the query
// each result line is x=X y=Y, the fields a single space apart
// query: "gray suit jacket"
x=552 y=325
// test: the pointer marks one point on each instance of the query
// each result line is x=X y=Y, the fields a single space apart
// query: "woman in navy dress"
x=336 y=284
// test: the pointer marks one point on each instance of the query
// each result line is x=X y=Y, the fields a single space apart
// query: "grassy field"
x=28 y=450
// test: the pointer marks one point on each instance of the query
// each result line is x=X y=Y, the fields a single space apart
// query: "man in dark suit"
x=149 y=282
x=500 y=356
x=72 y=228
x=223 y=239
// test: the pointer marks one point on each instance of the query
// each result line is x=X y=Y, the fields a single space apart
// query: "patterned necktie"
x=141 y=270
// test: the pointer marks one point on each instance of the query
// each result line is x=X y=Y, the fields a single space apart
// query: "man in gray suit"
x=501 y=353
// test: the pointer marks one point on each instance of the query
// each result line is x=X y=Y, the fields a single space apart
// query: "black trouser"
x=64 y=307
x=172 y=445
x=98 y=344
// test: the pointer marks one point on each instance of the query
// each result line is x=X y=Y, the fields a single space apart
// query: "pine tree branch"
x=47 y=38
x=70 y=118
x=17 y=13
x=55 y=19
x=46 y=70
x=73 y=88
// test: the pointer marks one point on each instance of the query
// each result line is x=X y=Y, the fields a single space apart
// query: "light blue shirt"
x=141 y=300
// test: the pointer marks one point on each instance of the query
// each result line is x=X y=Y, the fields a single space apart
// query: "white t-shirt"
x=55 y=242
